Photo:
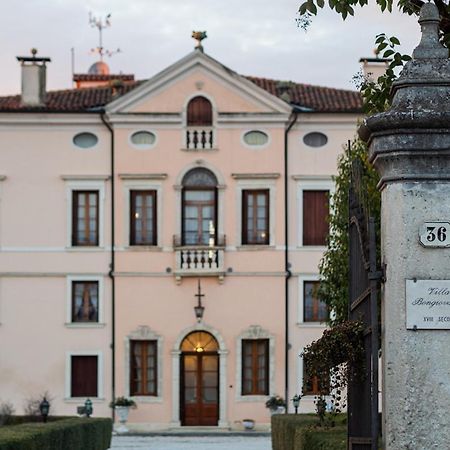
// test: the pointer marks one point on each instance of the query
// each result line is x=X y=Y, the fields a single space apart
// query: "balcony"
x=199 y=138
x=199 y=260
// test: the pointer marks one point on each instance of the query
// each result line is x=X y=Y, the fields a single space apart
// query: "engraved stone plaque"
x=428 y=304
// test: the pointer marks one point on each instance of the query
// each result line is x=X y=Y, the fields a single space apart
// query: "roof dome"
x=99 y=68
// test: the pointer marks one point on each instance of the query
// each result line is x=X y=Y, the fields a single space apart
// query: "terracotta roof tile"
x=308 y=97
x=102 y=77
x=316 y=98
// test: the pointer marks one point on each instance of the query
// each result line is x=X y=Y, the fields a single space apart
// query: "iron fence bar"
x=375 y=335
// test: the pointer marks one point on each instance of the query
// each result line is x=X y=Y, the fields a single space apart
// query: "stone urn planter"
x=122 y=413
x=248 y=424
x=277 y=410
x=122 y=407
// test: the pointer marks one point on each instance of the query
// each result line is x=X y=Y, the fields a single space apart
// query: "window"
x=85 y=140
x=315 y=217
x=143 y=217
x=85 y=218
x=143 y=367
x=143 y=140
x=199 y=209
x=84 y=376
x=255 y=366
x=255 y=217
x=199 y=112
x=314 y=309
x=256 y=138
x=315 y=139
x=85 y=301
x=313 y=385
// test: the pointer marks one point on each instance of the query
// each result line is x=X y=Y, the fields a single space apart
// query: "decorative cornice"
x=255 y=176
x=312 y=177
x=143 y=176
x=85 y=177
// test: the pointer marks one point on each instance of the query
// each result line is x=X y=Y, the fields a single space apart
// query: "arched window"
x=199 y=341
x=199 y=112
x=199 y=204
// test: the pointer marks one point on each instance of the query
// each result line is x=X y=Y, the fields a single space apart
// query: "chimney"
x=33 y=79
x=374 y=67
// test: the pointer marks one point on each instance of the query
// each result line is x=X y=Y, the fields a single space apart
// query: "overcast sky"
x=252 y=37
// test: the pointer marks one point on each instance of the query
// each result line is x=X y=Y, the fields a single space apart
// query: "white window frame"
x=220 y=196
x=85 y=185
x=101 y=317
x=320 y=184
x=144 y=333
x=142 y=185
x=256 y=184
x=255 y=332
x=100 y=382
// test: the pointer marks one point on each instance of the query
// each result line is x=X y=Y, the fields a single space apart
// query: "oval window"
x=143 y=139
x=256 y=138
x=85 y=140
x=315 y=139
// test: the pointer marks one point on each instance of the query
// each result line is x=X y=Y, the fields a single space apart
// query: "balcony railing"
x=199 y=138
x=195 y=260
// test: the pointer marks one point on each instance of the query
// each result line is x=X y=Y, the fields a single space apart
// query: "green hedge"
x=323 y=439
x=74 y=434
x=299 y=432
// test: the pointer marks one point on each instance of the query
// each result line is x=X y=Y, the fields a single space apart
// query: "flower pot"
x=122 y=412
x=248 y=424
x=277 y=410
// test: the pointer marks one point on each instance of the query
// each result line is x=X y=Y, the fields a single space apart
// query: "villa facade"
x=160 y=240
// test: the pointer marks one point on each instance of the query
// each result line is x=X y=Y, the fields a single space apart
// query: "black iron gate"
x=363 y=427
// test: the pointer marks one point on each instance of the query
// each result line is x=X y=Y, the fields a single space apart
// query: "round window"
x=256 y=138
x=143 y=139
x=85 y=140
x=315 y=139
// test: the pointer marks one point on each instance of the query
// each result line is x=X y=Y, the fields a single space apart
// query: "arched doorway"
x=199 y=380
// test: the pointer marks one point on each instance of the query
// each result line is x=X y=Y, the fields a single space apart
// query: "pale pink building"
x=118 y=201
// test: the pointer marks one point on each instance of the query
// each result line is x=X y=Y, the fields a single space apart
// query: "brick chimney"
x=33 y=79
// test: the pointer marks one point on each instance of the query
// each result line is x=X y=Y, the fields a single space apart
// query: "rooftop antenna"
x=101 y=24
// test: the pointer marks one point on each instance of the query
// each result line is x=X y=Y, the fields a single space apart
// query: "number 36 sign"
x=435 y=234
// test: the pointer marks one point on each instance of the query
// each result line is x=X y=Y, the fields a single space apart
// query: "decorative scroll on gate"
x=363 y=426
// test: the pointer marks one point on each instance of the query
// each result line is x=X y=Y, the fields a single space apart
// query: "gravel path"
x=191 y=443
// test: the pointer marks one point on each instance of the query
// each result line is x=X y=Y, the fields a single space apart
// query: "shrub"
x=6 y=411
x=64 y=434
x=323 y=439
x=300 y=432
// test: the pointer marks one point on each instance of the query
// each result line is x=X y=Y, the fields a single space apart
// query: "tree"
x=376 y=94
x=334 y=267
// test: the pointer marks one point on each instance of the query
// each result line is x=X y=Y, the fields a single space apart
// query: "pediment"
x=198 y=74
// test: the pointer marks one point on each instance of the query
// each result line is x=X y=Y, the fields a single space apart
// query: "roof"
x=309 y=97
x=101 y=77
x=306 y=97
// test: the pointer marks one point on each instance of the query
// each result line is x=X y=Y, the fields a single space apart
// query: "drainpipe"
x=112 y=268
x=292 y=121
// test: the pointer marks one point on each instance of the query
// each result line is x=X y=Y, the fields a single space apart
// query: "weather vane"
x=199 y=36
x=101 y=24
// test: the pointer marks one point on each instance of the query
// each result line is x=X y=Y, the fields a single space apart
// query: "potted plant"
x=122 y=405
x=248 y=424
x=276 y=404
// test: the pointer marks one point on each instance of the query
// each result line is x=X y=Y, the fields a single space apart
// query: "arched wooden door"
x=199 y=390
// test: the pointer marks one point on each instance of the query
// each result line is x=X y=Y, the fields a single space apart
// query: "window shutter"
x=84 y=376
x=315 y=217
x=199 y=112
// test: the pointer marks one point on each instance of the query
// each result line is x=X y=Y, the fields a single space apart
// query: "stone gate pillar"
x=410 y=147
